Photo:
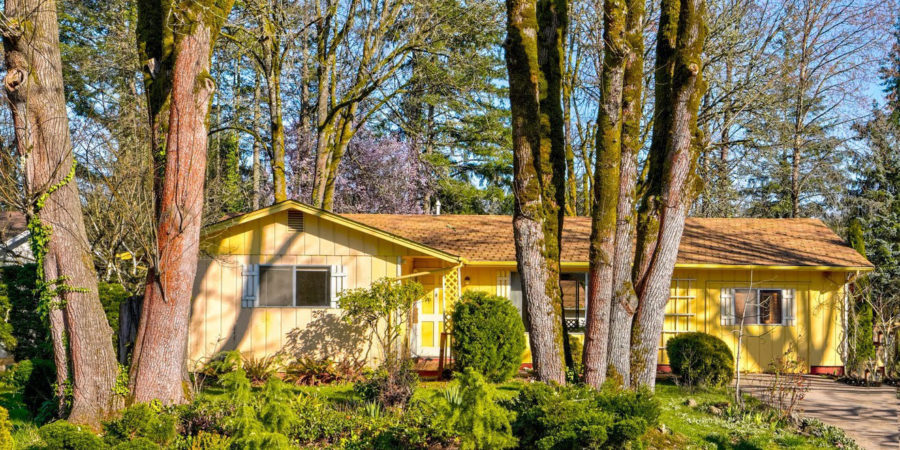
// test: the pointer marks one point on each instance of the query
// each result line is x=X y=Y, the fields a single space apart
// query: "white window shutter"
x=788 y=307
x=727 y=306
x=338 y=277
x=503 y=283
x=249 y=285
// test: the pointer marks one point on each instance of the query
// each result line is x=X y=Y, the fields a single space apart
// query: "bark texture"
x=670 y=187
x=160 y=348
x=82 y=338
x=537 y=184
x=606 y=193
x=624 y=299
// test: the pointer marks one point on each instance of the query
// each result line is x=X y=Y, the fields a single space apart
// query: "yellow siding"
x=219 y=323
x=816 y=334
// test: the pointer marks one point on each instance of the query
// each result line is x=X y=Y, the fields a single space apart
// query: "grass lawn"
x=695 y=427
x=24 y=432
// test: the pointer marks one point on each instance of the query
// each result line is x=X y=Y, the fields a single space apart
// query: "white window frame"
x=329 y=297
x=788 y=299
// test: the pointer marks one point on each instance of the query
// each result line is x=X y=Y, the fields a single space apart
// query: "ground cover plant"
x=467 y=412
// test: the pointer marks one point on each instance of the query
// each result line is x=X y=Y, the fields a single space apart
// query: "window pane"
x=573 y=293
x=275 y=285
x=770 y=306
x=313 y=286
x=515 y=295
x=745 y=307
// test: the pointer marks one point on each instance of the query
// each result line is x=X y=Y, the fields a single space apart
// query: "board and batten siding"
x=219 y=323
x=695 y=305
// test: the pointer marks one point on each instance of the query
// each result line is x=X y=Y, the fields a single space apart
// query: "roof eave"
x=585 y=265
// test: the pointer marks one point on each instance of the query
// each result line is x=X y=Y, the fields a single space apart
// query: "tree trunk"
x=160 y=348
x=34 y=86
x=679 y=67
x=624 y=299
x=606 y=193
x=156 y=52
x=535 y=241
x=340 y=145
x=325 y=124
x=276 y=129
x=255 y=170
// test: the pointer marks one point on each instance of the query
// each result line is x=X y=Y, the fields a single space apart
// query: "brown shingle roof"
x=761 y=242
x=12 y=223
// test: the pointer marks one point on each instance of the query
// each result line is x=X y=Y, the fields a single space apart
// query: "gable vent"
x=295 y=220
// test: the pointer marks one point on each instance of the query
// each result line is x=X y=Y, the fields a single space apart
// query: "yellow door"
x=430 y=315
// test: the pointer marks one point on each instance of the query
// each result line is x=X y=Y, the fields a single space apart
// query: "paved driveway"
x=868 y=415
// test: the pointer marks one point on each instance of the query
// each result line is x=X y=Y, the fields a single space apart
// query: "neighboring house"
x=273 y=278
x=14 y=246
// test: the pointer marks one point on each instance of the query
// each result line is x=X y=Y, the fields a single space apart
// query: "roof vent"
x=295 y=220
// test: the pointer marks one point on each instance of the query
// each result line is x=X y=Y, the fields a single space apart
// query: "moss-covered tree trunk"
x=606 y=193
x=624 y=299
x=671 y=174
x=538 y=167
x=68 y=283
x=161 y=345
x=155 y=48
x=276 y=130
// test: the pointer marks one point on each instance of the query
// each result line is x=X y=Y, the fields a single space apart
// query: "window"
x=574 y=292
x=282 y=286
x=762 y=306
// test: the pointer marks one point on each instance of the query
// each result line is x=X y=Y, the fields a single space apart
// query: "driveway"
x=868 y=415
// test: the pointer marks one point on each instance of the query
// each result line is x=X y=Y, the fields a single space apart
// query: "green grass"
x=24 y=432
x=695 y=427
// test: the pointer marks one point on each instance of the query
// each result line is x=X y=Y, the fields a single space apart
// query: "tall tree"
x=271 y=35
x=82 y=338
x=669 y=187
x=624 y=299
x=534 y=49
x=160 y=348
x=606 y=193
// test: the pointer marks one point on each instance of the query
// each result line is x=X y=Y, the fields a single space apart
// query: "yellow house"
x=270 y=278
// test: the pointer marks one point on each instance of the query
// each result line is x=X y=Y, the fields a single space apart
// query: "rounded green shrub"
x=6 y=442
x=488 y=336
x=699 y=359
x=577 y=416
x=63 y=435
x=140 y=421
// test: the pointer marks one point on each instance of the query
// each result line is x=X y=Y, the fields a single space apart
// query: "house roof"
x=706 y=242
x=488 y=239
x=12 y=223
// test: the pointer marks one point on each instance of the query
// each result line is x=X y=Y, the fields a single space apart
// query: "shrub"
x=141 y=421
x=699 y=359
x=550 y=417
x=39 y=391
x=204 y=416
x=137 y=444
x=6 y=442
x=389 y=389
x=488 y=336
x=17 y=376
x=29 y=329
x=468 y=409
x=62 y=435
x=260 y=421
x=309 y=371
x=259 y=370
